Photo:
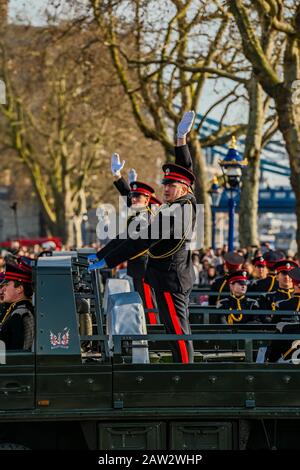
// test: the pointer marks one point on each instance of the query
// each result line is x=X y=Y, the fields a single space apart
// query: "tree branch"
x=253 y=49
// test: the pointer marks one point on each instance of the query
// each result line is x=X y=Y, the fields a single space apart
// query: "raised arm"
x=120 y=183
x=182 y=152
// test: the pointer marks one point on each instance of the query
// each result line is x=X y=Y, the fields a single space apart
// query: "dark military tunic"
x=169 y=265
x=270 y=300
x=136 y=268
x=282 y=350
x=3 y=308
x=17 y=326
x=220 y=285
x=169 y=269
x=269 y=284
x=237 y=303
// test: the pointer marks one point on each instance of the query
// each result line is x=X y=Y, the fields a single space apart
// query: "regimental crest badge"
x=244 y=273
x=134 y=186
x=167 y=171
x=61 y=339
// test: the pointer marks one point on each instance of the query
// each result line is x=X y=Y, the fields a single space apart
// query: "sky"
x=33 y=10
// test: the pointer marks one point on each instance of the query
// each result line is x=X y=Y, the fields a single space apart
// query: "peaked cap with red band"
x=155 y=200
x=285 y=265
x=137 y=187
x=271 y=257
x=238 y=276
x=259 y=261
x=233 y=260
x=18 y=272
x=295 y=275
x=177 y=173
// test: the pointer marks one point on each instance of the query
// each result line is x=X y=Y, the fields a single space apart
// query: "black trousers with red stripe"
x=148 y=298
x=174 y=314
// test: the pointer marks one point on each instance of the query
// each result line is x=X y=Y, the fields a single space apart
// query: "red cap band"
x=177 y=177
x=238 y=278
x=141 y=191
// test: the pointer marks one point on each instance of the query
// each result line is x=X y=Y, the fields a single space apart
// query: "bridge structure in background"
x=278 y=200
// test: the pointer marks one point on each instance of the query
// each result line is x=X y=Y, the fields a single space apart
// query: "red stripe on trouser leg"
x=149 y=303
x=177 y=327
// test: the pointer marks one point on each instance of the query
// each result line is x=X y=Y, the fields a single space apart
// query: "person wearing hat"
x=237 y=300
x=140 y=197
x=169 y=270
x=292 y=304
x=17 y=324
x=232 y=262
x=283 y=292
x=268 y=283
x=287 y=324
x=260 y=266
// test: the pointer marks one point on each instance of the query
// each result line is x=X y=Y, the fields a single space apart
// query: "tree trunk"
x=289 y=124
x=77 y=228
x=201 y=189
x=250 y=187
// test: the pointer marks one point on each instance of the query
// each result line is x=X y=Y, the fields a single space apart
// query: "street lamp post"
x=84 y=228
x=232 y=171
x=14 y=208
x=215 y=196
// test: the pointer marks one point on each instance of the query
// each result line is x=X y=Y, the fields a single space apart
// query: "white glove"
x=132 y=175
x=185 y=124
x=116 y=165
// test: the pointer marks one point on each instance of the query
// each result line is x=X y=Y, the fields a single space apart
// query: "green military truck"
x=72 y=392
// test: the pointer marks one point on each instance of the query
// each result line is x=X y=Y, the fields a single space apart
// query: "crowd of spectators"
x=209 y=264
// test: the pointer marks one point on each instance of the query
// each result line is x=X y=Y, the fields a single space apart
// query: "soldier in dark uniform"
x=260 y=266
x=283 y=292
x=139 y=197
x=169 y=269
x=17 y=324
x=269 y=282
x=287 y=324
x=233 y=262
x=237 y=300
x=292 y=304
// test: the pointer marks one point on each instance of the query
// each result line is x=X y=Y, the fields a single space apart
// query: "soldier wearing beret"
x=17 y=323
x=283 y=292
x=233 y=262
x=237 y=300
x=169 y=269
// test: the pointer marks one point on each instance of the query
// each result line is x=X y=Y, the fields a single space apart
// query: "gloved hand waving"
x=132 y=175
x=116 y=165
x=185 y=124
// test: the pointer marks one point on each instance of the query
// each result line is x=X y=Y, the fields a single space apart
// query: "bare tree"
x=281 y=20
x=58 y=114
x=163 y=57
